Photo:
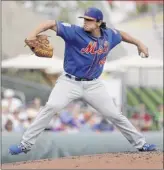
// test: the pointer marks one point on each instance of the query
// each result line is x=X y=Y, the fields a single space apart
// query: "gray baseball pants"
x=95 y=94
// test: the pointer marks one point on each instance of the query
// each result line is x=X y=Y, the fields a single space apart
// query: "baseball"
x=142 y=55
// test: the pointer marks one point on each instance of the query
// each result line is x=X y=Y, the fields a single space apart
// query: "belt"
x=77 y=78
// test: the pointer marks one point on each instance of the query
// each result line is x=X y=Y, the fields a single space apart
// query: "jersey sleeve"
x=65 y=31
x=116 y=38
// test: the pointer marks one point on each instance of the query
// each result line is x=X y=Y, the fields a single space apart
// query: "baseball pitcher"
x=86 y=49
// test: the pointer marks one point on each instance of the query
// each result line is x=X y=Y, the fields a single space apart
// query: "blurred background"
x=135 y=84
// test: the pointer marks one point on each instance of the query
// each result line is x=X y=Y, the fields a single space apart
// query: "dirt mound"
x=128 y=160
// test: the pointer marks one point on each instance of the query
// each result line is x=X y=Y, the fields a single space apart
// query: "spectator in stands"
x=13 y=102
x=103 y=126
x=27 y=116
x=8 y=126
x=5 y=114
x=89 y=122
x=135 y=120
x=36 y=104
x=71 y=127
x=17 y=125
x=23 y=117
x=68 y=121
x=143 y=119
x=86 y=122
x=158 y=117
x=56 y=124
x=31 y=114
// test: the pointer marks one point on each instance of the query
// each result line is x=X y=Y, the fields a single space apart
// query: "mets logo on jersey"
x=92 y=46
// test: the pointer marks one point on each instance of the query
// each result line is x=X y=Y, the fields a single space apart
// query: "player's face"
x=90 y=25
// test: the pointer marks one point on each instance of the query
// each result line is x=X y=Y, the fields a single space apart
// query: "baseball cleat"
x=17 y=149
x=148 y=147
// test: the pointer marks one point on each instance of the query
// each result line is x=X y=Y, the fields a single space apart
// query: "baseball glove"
x=40 y=46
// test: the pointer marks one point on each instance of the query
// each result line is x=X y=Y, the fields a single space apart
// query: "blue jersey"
x=85 y=55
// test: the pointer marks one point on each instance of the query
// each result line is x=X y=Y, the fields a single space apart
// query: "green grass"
x=151 y=97
x=132 y=100
x=154 y=96
x=159 y=92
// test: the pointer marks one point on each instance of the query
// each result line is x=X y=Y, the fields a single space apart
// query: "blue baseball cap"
x=93 y=14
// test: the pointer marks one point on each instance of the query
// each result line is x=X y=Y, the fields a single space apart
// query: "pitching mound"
x=149 y=160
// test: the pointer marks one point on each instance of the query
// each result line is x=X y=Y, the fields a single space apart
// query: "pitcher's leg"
x=99 y=98
x=38 y=125
x=62 y=94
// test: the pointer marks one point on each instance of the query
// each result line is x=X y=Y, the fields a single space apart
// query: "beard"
x=87 y=31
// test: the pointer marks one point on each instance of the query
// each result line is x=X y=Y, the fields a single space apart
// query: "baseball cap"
x=92 y=14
